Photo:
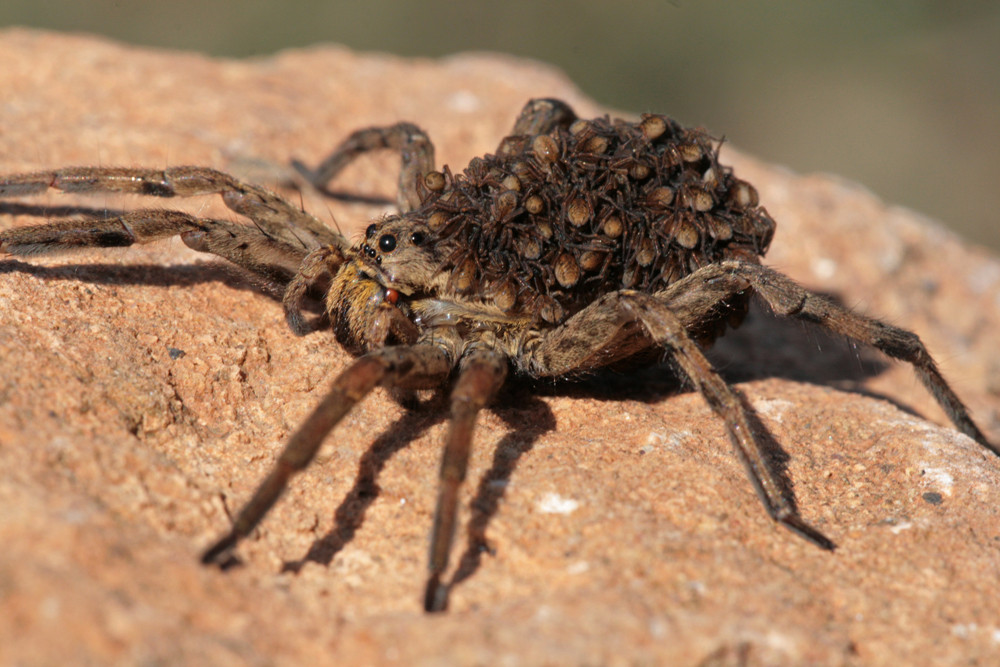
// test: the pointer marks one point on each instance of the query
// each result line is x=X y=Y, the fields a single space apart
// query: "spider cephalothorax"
x=579 y=245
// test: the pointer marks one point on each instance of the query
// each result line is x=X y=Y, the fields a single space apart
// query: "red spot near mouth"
x=391 y=295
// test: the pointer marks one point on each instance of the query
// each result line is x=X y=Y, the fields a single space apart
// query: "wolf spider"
x=580 y=245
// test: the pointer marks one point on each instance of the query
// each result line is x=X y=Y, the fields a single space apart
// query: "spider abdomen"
x=552 y=221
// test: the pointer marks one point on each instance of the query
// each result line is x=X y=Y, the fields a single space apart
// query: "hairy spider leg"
x=606 y=330
x=482 y=373
x=415 y=147
x=245 y=246
x=539 y=116
x=416 y=366
x=711 y=285
x=273 y=247
x=273 y=216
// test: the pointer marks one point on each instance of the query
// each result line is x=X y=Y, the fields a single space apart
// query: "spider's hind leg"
x=624 y=323
x=542 y=115
x=787 y=298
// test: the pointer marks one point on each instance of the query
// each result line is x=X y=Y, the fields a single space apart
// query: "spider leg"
x=539 y=116
x=275 y=217
x=787 y=298
x=542 y=115
x=607 y=330
x=482 y=373
x=317 y=263
x=416 y=366
x=415 y=148
x=243 y=245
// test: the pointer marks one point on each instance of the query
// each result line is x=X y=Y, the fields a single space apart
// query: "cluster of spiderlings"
x=553 y=220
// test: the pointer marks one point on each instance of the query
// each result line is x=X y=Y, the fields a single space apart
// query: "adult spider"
x=580 y=245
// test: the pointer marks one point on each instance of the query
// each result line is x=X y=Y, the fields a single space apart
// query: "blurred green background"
x=902 y=96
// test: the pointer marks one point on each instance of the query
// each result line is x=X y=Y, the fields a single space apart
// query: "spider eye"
x=416 y=238
x=387 y=243
x=370 y=231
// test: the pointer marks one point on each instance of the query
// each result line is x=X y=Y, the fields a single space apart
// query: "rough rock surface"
x=144 y=392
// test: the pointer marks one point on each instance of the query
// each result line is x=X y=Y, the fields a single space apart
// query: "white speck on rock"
x=656 y=440
x=940 y=479
x=553 y=503
x=963 y=630
x=984 y=279
x=900 y=527
x=772 y=408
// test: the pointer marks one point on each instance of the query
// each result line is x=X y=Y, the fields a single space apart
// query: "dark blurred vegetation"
x=900 y=95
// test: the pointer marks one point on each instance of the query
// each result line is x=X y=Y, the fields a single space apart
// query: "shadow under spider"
x=351 y=513
x=58 y=211
x=528 y=421
x=493 y=483
x=161 y=275
x=149 y=275
x=660 y=383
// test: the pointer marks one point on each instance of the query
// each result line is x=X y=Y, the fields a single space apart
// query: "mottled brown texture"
x=139 y=385
x=674 y=210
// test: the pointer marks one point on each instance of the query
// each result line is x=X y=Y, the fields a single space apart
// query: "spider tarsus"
x=436 y=595
x=795 y=524
x=297 y=323
x=969 y=428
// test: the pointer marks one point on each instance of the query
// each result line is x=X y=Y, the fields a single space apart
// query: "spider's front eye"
x=387 y=243
x=416 y=238
x=370 y=231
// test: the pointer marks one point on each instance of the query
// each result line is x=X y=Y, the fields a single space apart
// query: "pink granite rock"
x=144 y=392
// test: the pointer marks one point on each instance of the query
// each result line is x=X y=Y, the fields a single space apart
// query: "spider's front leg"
x=242 y=245
x=621 y=324
x=482 y=372
x=273 y=247
x=416 y=366
x=273 y=216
